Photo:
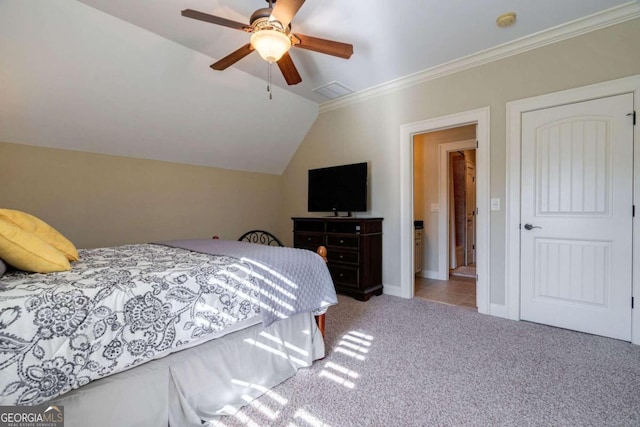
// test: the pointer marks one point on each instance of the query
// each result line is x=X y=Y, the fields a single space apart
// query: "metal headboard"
x=261 y=237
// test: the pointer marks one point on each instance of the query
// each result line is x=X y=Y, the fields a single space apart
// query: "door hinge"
x=478 y=144
x=633 y=114
x=633 y=211
x=631 y=302
x=473 y=247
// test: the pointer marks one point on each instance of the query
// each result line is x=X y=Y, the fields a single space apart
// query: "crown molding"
x=609 y=17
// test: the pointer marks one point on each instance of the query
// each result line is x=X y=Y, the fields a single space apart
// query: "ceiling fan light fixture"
x=271 y=44
x=272 y=38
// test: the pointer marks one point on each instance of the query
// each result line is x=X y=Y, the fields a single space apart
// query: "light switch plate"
x=495 y=204
x=435 y=207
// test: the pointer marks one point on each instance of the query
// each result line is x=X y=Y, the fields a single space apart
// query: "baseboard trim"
x=498 y=310
x=429 y=274
x=394 y=291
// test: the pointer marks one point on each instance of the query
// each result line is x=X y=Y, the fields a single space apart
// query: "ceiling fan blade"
x=329 y=47
x=285 y=10
x=194 y=14
x=233 y=57
x=289 y=70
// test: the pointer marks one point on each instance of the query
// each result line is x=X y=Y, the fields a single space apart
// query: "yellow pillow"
x=41 y=229
x=28 y=252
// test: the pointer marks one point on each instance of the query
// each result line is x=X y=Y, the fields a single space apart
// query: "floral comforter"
x=117 y=308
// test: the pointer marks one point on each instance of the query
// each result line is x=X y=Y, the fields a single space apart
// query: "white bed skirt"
x=199 y=384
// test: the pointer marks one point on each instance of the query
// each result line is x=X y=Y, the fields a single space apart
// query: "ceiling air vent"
x=333 y=90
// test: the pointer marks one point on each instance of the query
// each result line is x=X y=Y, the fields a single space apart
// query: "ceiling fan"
x=272 y=37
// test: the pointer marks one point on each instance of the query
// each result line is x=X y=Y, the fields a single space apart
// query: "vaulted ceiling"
x=132 y=78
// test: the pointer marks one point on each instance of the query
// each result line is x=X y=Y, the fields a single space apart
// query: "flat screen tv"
x=338 y=189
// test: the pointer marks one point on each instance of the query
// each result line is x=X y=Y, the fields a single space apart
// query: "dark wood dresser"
x=354 y=251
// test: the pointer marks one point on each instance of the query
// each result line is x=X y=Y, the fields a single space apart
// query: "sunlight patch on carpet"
x=308 y=418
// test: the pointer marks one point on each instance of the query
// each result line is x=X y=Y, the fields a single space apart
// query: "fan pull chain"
x=269 y=81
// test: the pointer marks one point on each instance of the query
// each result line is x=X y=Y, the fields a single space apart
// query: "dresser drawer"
x=337 y=255
x=345 y=276
x=308 y=240
x=354 y=251
x=346 y=241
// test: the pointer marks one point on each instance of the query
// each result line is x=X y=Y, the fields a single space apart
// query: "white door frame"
x=515 y=109
x=480 y=117
x=443 y=201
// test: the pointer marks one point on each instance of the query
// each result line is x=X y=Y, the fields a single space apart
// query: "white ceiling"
x=391 y=38
x=75 y=78
x=132 y=77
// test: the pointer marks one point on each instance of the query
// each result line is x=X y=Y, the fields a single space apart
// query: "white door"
x=577 y=175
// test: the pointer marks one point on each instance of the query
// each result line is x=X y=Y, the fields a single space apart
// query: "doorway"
x=479 y=118
x=444 y=215
x=462 y=213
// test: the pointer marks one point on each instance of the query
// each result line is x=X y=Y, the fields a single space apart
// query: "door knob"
x=530 y=227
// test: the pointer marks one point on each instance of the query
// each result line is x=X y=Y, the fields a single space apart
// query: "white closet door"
x=577 y=176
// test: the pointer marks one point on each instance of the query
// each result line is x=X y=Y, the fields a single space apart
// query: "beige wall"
x=370 y=130
x=426 y=191
x=100 y=200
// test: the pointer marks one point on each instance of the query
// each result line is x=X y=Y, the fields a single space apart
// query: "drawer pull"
x=341 y=241
x=341 y=256
x=341 y=274
x=308 y=239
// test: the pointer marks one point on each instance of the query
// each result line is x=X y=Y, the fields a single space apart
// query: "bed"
x=177 y=333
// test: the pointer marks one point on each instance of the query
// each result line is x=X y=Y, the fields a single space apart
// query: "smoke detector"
x=506 y=19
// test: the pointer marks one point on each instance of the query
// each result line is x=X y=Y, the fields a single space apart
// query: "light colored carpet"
x=398 y=362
